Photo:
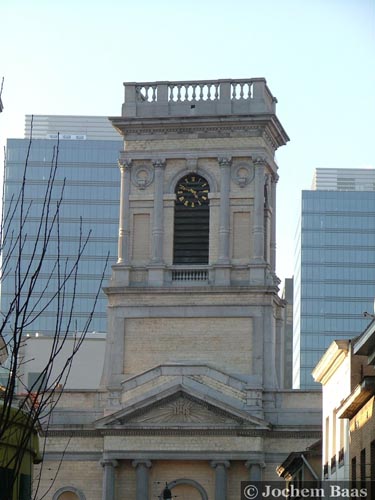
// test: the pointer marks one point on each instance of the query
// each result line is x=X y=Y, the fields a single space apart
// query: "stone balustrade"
x=203 y=97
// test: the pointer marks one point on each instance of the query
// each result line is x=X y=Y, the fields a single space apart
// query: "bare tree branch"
x=39 y=284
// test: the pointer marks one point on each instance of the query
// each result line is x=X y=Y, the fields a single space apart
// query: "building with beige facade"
x=346 y=372
x=192 y=391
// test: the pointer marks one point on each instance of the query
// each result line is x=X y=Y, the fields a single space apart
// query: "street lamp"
x=167 y=494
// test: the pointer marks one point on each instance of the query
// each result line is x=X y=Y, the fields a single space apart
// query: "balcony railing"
x=198 y=97
x=189 y=275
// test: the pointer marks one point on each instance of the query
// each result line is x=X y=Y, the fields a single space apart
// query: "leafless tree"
x=39 y=284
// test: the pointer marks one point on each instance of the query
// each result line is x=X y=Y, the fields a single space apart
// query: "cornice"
x=161 y=431
x=331 y=360
x=215 y=290
x=220 y=126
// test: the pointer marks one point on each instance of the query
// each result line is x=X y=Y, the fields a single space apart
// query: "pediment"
x=183 y=409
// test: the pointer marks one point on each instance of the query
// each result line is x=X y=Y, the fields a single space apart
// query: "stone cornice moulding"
x=186 y=124
x=334 y=356
x=251 y=433
x=190 y=156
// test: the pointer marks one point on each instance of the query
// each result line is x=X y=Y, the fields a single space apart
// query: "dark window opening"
x=363 y=467
x=191 y=221
x=354 y=472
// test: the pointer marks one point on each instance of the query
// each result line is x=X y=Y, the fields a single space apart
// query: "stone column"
x=108 y=492
x=225 y=164
x=123 y=240
x=220 y=467
x=273 y=222
x=267 y=219
x=141 y=470
x=157 y=224
x=258 y=227
x=222 y=267
x=255 y=470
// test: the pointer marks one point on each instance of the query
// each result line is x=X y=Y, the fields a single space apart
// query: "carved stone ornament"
x=242 y=174
x=124 y=163
x=225 y=161
x=142 y=176
x=182 y=410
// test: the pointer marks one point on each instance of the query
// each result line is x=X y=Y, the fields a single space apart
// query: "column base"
x=156 y=275
x=222 y=274
x=257 y=272
x=120 y=275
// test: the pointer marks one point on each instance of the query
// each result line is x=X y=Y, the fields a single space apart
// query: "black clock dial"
x=192 y=191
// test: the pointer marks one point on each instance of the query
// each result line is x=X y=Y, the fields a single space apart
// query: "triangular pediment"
x=182 y=408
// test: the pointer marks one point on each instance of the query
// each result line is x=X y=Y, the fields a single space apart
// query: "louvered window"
x=191 y=221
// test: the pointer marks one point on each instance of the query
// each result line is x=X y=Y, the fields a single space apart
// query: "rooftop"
x=71 y=127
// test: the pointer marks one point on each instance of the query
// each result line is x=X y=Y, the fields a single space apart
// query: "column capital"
x=124 y=164
x=159 y=163
x=225 y=161
x=108 y=461
x=250 y=463
x=260 y=161
x=146 y=463
x=216 y=463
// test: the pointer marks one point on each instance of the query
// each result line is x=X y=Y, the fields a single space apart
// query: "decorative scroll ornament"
x=243 y=174
x=142 y=176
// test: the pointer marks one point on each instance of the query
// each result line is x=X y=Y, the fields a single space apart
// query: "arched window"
x=191 y=220
x=68 y=493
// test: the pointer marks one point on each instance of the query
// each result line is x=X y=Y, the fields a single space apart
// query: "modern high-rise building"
x=334 y=276
x=86 y=159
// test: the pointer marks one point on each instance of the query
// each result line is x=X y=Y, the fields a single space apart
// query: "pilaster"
x=123 y=240
x=258 y=228
x=108 y=492
x=142 y=478
x=274 y=179
x=255 y=470
x=156 y=270
x=222 y=268
x=220 y=467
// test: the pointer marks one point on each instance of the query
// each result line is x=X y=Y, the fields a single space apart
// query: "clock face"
x=192 y=191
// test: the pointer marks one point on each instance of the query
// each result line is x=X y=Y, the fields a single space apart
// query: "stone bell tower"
x=195 y=277
x=194 y=356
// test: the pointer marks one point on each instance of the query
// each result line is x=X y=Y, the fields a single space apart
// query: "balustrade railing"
x=201 y=95
x=189 y=275
x=201 y=91
x=146 y=92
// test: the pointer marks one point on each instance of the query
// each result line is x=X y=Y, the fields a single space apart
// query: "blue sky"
x=71 y=57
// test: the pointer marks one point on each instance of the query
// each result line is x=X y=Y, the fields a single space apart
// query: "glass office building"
x=334 y=276
x=87 y=171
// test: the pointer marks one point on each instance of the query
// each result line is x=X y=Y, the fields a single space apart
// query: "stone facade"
x=192 y=392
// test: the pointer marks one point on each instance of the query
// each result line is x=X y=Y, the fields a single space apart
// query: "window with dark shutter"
x=191 y=221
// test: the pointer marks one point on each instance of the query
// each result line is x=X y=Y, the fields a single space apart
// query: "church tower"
x=195 y=279
x=193 y=372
